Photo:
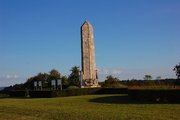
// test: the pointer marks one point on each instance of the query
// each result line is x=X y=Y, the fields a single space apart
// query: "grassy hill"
x=88 y=107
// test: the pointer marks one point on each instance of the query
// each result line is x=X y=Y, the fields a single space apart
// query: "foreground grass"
x=89 y=107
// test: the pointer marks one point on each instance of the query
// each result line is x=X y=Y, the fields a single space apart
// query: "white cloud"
x=103 y=71
x=109 y=71
x=9 y=77
x=16 y=76
x=116 y=72
x=7 y=80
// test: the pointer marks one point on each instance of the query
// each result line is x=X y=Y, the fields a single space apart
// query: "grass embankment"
x=88 y=107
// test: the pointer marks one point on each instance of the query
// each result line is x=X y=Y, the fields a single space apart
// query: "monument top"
x=86 y=23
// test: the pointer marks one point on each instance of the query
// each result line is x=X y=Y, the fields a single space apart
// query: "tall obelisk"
x=89 y=77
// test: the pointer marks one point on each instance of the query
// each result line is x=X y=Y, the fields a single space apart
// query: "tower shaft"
x=89 y=73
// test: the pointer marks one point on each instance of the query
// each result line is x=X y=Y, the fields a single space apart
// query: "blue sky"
x=133 y=38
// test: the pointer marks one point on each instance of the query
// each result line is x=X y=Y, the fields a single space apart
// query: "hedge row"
x=112 y=91
x=155 y=95
x=77 y=92
x=141 y=95
x=59 y=93
x=18 y=93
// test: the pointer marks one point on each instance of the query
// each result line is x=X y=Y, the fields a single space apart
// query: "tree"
x=133 y=82
x=147 y=77
x=29 y=84
x=158 y=78
x=54 y=74
x=65 y=82
x=111 y=81
x=43 y=77
x=177 y=70
x=74 y=77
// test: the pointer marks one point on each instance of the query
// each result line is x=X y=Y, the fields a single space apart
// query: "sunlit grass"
x=89 y=107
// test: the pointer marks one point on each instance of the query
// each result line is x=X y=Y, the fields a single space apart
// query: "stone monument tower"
x=89 y=77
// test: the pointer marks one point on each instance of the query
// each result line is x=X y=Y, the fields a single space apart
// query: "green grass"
x=88 y=107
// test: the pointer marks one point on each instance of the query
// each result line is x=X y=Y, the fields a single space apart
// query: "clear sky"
x=133 y=38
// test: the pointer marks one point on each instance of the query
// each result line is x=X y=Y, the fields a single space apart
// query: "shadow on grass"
x=122 y=100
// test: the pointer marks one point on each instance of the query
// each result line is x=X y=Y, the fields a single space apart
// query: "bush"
x=40 y=94
x=155 y=95
x=112 y=91
x=4 y=95
x=72 y=87
x=18 y=93
x=74 y=92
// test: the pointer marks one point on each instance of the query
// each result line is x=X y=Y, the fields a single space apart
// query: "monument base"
x=95 y=86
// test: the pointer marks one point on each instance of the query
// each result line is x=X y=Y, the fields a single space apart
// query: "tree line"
x=115 y=82
x=72 y=80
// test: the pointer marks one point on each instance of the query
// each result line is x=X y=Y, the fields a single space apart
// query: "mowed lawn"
x=88 y=107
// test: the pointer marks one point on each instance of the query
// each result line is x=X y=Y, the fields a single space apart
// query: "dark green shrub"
x=73 y=92
x=40 y=94
x=18 y=93
x=77 y=92
x=72 y=87
x=4 y=95
x=155 y=95
x=112 y=91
